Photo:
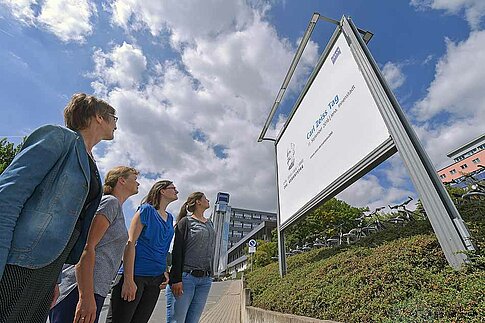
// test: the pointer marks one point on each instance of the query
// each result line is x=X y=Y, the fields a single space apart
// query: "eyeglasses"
x=115 y=118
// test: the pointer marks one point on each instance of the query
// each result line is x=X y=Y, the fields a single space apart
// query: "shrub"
x=399 y=275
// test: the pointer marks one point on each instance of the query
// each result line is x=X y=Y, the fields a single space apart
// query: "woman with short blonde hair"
x=48 y=197
x=85 y=286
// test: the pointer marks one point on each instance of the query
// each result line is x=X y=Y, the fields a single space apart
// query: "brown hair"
x=153 y=197
x=189 y=205
x=79 y=111
x=114 y=174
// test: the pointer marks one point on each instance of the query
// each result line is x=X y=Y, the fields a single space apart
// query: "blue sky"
x=193 y=81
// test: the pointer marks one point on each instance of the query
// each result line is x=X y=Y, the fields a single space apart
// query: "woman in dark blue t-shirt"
x=144 y=270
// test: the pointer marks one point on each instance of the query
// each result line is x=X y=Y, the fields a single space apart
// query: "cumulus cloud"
x=21 y=10
x=211 y=18
x=69 y=20
x=370 y=192
x=474 y=10
x=456 y=96
x=196 y=118
x=393 y=74
x=123 y=66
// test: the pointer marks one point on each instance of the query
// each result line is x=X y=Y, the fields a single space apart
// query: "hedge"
x=398 y=275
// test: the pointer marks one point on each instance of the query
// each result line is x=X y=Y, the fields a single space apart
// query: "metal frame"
x=367 y=36
x=281 y=234
x=447 y=223
x=381 y=153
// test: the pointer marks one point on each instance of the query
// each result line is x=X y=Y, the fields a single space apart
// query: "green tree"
x=265 y=250
x=455 y=195
x=323 y=222
x=8 y=151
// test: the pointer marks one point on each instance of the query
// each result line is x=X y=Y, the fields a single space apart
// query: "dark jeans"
x=140 y=309
x=65 y=310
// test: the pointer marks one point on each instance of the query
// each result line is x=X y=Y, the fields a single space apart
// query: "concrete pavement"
x=223 y=305
x=228 y=307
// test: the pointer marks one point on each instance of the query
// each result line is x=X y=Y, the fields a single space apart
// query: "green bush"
x=398 y=275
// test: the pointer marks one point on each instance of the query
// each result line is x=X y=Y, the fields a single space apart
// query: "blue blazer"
x=42 y=193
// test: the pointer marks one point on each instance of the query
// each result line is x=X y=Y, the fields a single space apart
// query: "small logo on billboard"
x=290 y=156
x=336 y=54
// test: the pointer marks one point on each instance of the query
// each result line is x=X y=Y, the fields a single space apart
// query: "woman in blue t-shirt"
x=144 y=270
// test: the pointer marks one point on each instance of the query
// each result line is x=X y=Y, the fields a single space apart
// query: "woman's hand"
x=164 y=284
x=85 y=310
x=128 y=290
x=177 y=289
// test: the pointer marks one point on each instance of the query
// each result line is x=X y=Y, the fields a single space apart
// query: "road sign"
x=252 y=243
x=252 y=249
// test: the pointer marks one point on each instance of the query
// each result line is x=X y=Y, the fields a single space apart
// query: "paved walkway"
x=228 y=308
x=223 y=305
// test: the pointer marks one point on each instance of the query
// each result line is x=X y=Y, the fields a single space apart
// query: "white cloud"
x=222 y=89
x=369 y=191
x=455 y=98
x=187 y=19
x=123 y=67
x=393 y=74
x=69 y=20
x=474 y=10
x=218 y=95
x=21 y=10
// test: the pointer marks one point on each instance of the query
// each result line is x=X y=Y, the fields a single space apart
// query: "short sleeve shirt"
x=109 y=250
x=153 y=243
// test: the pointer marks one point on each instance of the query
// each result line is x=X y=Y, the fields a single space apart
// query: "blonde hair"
x=189 y=205
x=114 y=174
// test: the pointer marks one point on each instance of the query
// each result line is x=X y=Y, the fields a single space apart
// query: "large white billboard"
x=335 y=126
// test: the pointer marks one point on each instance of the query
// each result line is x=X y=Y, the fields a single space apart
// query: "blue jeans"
x=188 y=307
x=170 y=300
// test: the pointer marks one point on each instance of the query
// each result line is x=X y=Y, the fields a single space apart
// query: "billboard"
x=335 y=125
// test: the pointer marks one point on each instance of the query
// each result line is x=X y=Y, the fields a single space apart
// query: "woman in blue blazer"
x=48 y=197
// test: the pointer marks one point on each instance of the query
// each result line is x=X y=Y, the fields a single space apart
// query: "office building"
x=467 y=159
x=234 y=227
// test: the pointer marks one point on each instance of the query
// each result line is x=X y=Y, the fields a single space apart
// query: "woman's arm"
x=86 y=306
x=178 y=255
x=128 y=290
x=22 y=176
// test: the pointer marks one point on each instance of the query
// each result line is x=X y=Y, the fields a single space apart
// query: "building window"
x=464 y=166
x=452 y=171
x=476 y=160
x=442 y=176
